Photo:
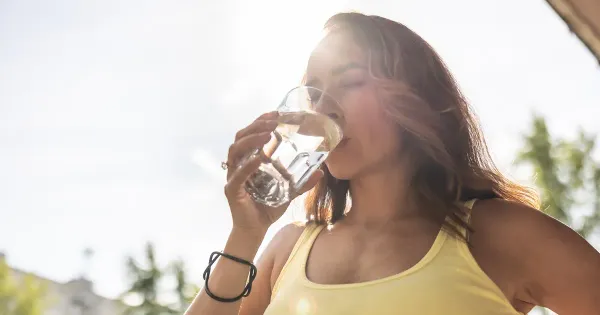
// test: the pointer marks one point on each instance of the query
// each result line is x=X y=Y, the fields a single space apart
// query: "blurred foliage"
x=145 y=279
x=186 y=291
x=567 y=175
x=20 y=296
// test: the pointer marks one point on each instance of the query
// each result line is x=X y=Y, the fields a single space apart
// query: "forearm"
x=228 y=278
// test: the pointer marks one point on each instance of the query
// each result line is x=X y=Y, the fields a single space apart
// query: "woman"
x=415 y=166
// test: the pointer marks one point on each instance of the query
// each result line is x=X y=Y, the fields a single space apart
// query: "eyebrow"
x=339 y=70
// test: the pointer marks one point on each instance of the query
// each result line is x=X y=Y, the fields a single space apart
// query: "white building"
x=75 y=297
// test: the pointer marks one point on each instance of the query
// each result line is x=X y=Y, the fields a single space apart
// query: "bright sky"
x=115 y=115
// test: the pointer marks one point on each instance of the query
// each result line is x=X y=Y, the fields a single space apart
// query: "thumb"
x=312 y=181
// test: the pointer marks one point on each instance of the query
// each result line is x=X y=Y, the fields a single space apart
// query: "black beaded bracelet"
x=213 y=258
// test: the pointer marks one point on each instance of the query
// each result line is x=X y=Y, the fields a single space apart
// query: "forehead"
x=334 y=50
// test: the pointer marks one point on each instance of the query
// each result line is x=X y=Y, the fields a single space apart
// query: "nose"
x=331 y=108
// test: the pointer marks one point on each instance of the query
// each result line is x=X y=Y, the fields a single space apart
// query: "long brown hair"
x=439 y=130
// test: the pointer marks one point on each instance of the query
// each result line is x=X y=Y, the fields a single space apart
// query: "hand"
x=246 y=213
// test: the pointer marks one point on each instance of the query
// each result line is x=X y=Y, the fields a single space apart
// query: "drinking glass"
x=306 y=133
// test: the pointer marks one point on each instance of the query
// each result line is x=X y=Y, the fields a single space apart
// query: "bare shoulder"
x=517 y=227
x=281 y=246
x=517 y=230
x=502 y=218
x=547 y=262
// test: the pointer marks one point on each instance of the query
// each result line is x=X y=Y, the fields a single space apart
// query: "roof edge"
x=578 y=24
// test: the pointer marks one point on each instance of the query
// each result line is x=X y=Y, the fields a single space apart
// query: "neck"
x=380 y=197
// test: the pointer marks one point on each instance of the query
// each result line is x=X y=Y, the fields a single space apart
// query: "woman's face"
x=371 y=140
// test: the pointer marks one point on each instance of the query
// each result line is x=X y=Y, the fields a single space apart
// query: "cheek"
x=377 y=134
x=380 y=139
x=373 y=138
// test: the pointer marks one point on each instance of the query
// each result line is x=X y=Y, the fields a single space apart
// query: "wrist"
x=251 y=232
x=244 y=243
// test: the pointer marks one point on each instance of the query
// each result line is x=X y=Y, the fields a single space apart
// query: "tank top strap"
x=304 y=243
x=469 y=205
x=466 y=216
x=297 y=258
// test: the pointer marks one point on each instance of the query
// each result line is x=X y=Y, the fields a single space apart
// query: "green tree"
x=145 y=279
x=145 y=285
x=184 y=289
x=24 y=297
x=567 y=175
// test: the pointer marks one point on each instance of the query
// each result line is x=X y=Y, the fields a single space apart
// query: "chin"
x=339 y=170
x=342 y=163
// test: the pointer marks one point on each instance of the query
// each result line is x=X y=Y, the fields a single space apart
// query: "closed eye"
x=333 y=115
x=354 y=84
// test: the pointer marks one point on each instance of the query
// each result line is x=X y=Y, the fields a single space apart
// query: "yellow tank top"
x=447 y=280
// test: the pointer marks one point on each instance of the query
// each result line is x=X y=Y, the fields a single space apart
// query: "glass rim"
x=307 y=87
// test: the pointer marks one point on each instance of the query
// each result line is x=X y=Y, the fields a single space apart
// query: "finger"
x=260 y=120
x=259 y=125
x=240 y=176
x=244 y=146
x=269 y=115
x=312 y=181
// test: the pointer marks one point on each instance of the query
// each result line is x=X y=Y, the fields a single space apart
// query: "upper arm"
x=268 y=267
x=555 y=267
